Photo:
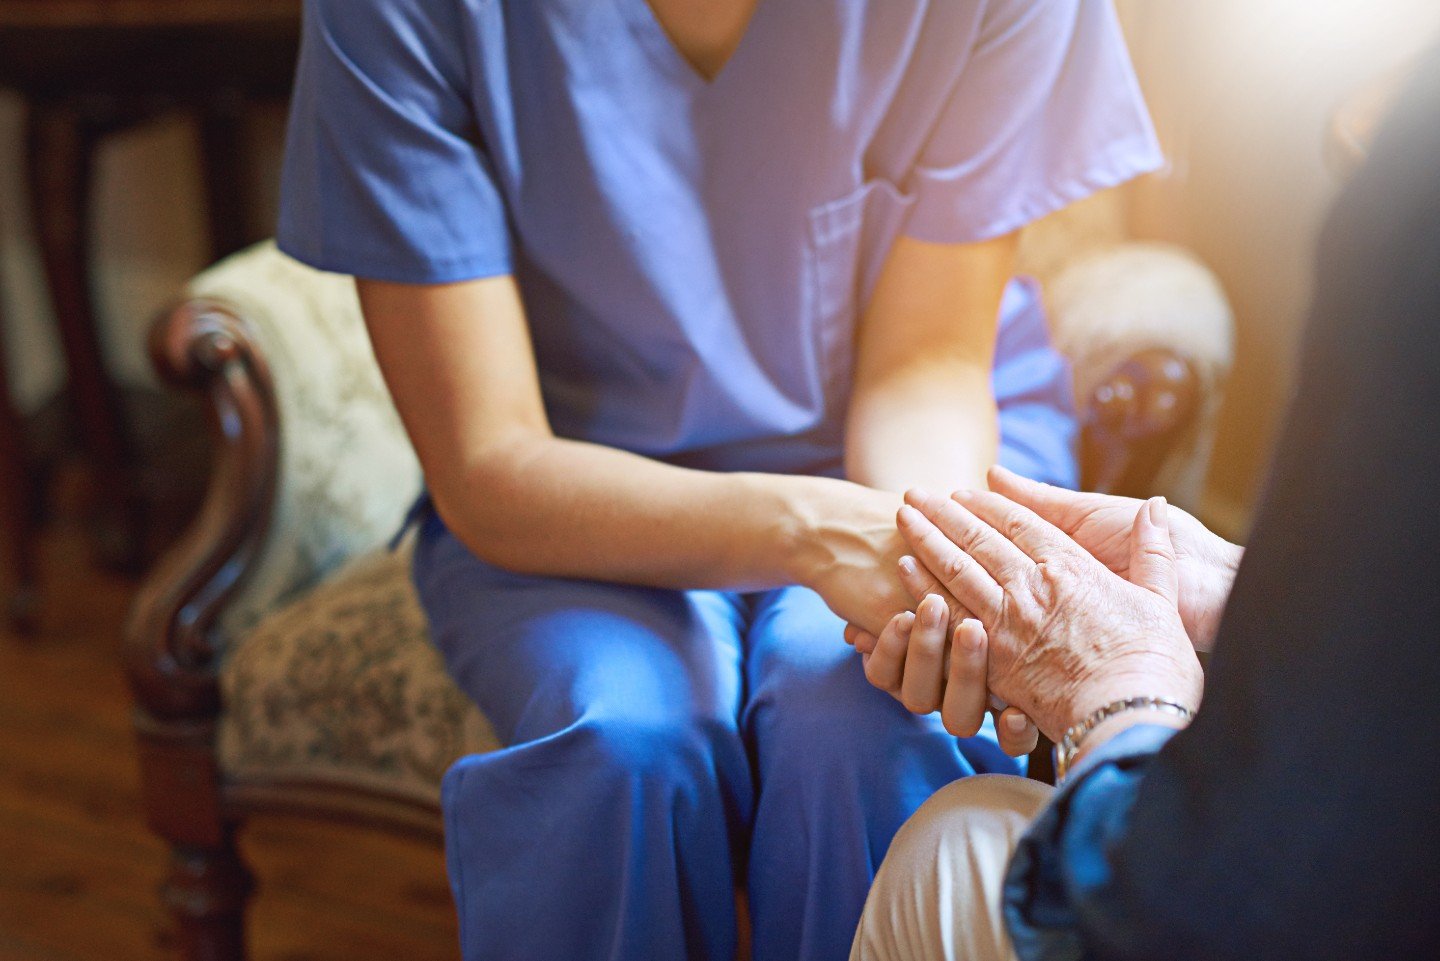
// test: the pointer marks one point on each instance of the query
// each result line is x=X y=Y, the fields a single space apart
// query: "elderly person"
x=1296 y=817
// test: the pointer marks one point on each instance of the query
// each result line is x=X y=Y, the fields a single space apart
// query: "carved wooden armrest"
x=170 y=648
x=171 y=651
x=1133 y=419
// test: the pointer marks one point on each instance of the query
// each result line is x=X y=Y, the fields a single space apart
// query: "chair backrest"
x=347 y=471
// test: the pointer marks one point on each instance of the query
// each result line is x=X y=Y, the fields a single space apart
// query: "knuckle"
x=1163 y=551
x=968 y=537
x=952 y=570
x=1013 y=522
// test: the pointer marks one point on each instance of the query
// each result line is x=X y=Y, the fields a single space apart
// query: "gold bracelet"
x=1069 y=745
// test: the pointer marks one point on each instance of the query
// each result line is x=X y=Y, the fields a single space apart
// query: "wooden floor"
x=79 y=870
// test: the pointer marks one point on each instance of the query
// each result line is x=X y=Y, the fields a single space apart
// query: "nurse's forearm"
x=931 y=425
x=458 y=361
x=556 y=507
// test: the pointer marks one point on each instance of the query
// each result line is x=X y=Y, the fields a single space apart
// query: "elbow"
x=487 y=501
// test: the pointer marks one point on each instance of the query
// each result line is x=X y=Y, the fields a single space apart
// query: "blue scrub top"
x=693 y=254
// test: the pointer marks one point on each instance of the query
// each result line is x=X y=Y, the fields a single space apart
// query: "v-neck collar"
x=656 y=39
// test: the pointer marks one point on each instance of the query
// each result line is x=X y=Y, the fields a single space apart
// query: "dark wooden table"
x=87 y=69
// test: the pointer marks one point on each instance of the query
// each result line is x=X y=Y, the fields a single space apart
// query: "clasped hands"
x=1046 y=604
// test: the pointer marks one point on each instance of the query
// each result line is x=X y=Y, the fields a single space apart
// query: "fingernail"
x=919 y=493
x=907 y=564
x=974 y=633
x=1158 y=511
x=908 y=515
x=1016 y=723
x=932 y=610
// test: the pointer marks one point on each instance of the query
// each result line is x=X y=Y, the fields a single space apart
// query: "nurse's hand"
x=917 y=660
x=848 y=550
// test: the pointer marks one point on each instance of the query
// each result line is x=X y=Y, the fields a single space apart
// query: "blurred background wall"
x=1241 y=90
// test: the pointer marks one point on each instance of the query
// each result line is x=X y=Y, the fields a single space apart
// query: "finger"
x=886 y=664
x=963 y=711
x=1061 y=507
x=982 y=542
x=1036 y=537
x=920 y=583
x=862 y=640
x=915 y=579
x=925 y=660
x=966 y=580
x=1017 y=734
x=1152 y=555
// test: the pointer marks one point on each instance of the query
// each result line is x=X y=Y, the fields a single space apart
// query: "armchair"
x=277 y=654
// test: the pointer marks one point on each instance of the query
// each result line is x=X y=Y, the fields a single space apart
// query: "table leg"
x=223 y=163
x=18 y=504
x=60 y=143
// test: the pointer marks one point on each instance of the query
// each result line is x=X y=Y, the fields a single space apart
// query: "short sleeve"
x=384 y=175
x=1045 y=111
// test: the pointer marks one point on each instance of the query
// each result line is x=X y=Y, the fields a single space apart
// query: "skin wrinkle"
x=1044 y=657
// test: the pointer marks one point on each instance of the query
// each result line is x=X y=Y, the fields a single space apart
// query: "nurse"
x=673 y=298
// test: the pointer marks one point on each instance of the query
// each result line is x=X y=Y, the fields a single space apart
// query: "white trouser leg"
x=937 y=896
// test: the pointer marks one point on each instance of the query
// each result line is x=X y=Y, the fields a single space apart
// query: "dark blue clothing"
x=1298 y=817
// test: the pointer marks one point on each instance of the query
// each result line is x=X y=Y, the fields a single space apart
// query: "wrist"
x=1144 y=676
x=831 y=525
x=799 y=514
x=1118 y=723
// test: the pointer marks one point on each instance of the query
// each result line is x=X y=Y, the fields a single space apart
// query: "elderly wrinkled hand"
x=1066 y=635
x=1102 y=524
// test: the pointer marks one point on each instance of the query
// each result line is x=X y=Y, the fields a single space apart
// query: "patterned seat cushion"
x=342 y=687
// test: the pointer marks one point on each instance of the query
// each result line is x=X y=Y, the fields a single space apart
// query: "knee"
x=658 y=751
x=938 y=892
x=980 y=817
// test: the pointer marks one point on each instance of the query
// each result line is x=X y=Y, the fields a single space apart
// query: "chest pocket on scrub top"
x=848 y=241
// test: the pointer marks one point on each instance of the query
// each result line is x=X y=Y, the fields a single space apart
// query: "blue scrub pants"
x=664 y=748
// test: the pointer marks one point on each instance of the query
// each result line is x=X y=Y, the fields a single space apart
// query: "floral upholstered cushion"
x=343 y=687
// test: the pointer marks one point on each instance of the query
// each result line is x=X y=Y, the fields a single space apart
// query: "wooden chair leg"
x=207 y=891
x=18 y=507
x=60 y=142
x=208 y=885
